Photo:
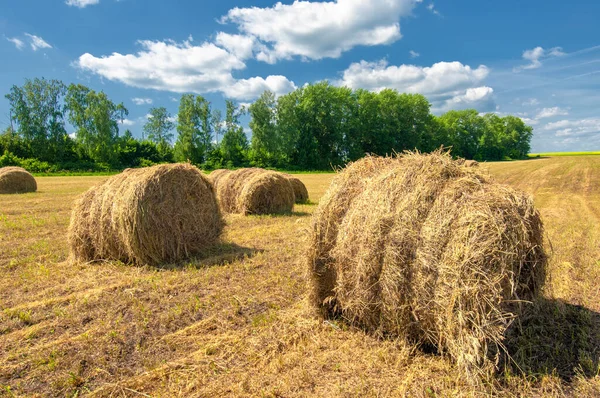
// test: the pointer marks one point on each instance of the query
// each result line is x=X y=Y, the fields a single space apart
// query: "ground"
x=237 y=322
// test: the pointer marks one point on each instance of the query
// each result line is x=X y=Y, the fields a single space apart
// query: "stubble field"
x=236 y=322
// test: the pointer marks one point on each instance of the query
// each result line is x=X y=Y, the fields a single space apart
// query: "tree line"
x=315 y=127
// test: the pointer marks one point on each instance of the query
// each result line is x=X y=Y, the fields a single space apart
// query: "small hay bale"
x=255 y=191
x=421 y=247
x=217 y=175
x=300 y=191
x=155 y=215
x=16 y=180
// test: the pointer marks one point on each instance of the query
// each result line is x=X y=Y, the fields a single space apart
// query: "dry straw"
x=217 y=175
x=300 y=191
x=255 y=191
x=16 y=180
x=422 y=247
x=155 y=215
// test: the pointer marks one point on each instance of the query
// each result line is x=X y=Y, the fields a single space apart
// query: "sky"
x=536 y=59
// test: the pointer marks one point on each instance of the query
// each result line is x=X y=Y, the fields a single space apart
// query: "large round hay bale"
x=300 y=191
x=421 y=247
x=267 y=193
x=217 y=175
x=16 y=180
x=155 y=215
x=255 y=191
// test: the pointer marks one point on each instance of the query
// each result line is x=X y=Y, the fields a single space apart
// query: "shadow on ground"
x=553 y=336
x=219 y=254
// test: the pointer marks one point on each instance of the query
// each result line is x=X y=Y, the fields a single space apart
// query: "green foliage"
x=38 y=110
x=234 y=146
x=194 y=128
x=315 y=127
x=158 y=128
x=9 y=159
x=96 y=118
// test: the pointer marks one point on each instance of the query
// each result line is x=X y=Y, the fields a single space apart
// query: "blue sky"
x=539 y=60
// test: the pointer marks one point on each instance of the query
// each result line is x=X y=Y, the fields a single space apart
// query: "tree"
x=266 y=143
x=38 y=109
x=96 y=118
x=234 y=145
x=465 y=129
x=158 y=128
x=194 y=129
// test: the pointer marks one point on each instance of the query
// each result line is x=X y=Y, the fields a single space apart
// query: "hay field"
x=236 y=322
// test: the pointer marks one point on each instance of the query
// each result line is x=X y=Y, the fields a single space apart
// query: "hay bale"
x=420 y=247
x=154 y=215
x=467 y=162
x=255 y=191
x=217 y=175
x=300 y=191
x=16 y=180
x=267 y=193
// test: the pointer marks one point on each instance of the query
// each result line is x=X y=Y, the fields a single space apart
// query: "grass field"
x=590 y=153
x=236 y=323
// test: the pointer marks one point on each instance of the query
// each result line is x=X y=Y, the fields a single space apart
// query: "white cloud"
x=81 y=3
x=316 y=30
x=17 y=42
x=471 y=97
x=414 y=54
x=575 y=128
x=127 y=122
x=531 y=102
x=246 y=89
x=550 y=112
x=531 y=122
x=142 y=101
x=37 y=42
x=431 y=7
x=239 y=45
x=535 y=55
x=445 y=84
x=182 y=67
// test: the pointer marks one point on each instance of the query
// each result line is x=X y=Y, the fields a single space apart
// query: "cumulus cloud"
x=316 y=30
x=551 y=112
x=37 y=42
x=414 y=54
x=142 y=101
x=182 y=67
x=477 y=96
x=17 y=42
x=535 y=55
x=81 y=3
x=575 y=128
x=445 y=84
x=239 y=45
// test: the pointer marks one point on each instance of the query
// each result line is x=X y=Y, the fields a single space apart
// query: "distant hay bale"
x=255 y=191
x=217 y=175
x=467 y=162
x=300 y=191
x=16 y=180
x=154 y=215
x=420 y=247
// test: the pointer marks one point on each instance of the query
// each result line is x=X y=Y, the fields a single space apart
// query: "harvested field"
x=238 y=322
